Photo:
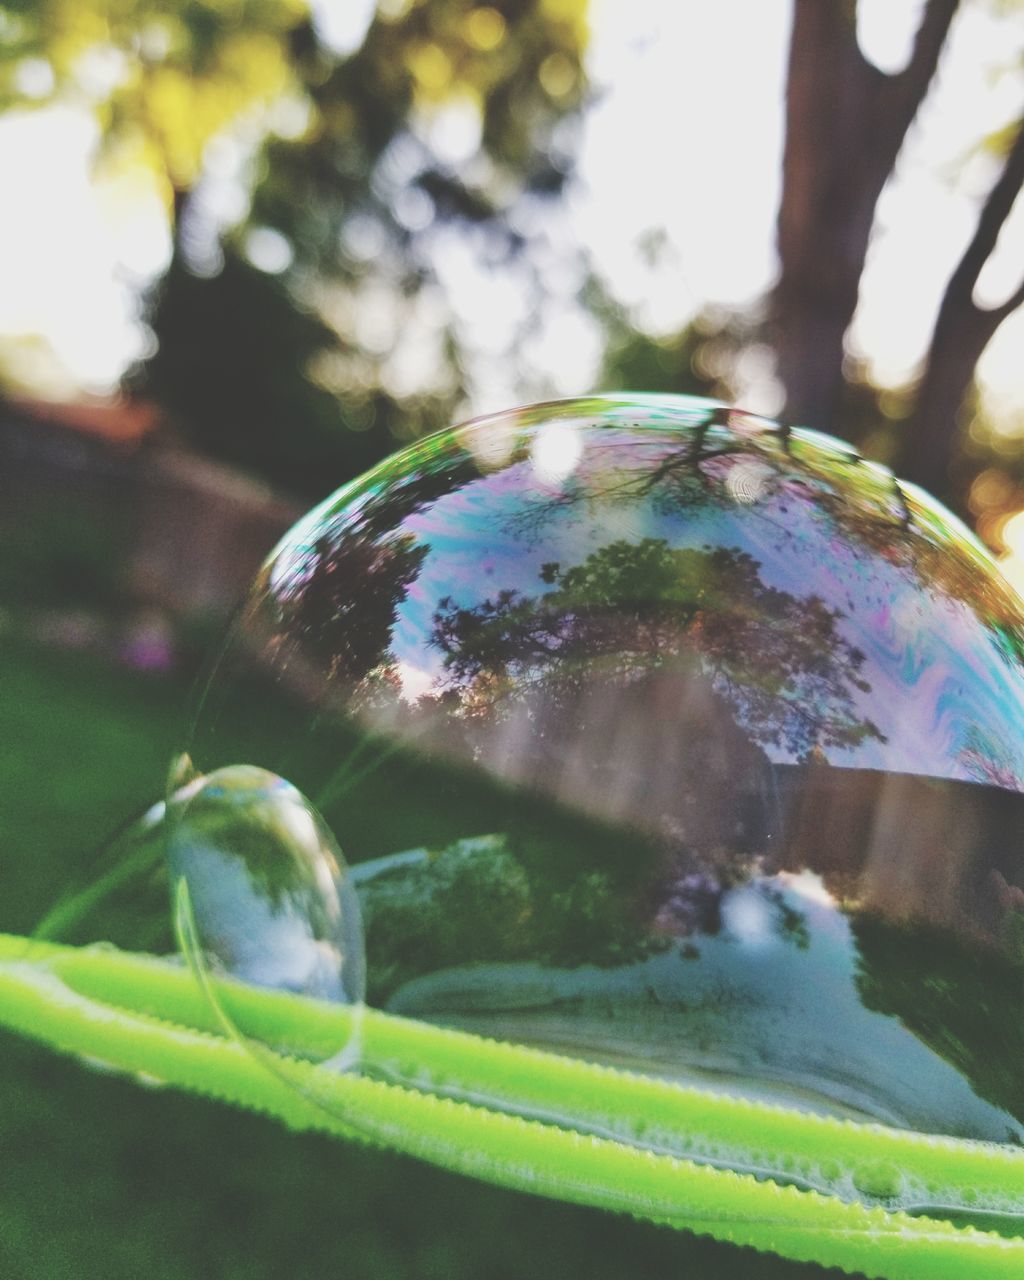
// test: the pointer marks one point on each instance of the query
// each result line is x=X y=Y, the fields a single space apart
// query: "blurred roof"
x=123 y=423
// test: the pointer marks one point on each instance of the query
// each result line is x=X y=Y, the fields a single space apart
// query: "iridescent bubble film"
x=658 y=736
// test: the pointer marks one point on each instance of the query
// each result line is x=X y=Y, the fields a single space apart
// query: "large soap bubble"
x=655 y=736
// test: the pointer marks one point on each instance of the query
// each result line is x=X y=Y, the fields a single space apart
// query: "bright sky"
x=686 y=135
x=72 y=253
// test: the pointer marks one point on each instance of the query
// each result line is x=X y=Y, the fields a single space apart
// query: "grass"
x=100 y=1177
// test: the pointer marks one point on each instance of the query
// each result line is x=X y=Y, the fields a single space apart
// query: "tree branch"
x=962 y=331
x=900 y=95
x=994 y=213
x=1015 y=300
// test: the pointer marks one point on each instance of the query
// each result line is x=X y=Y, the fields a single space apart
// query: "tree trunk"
x=845 y=124
x=931 y=435
x=182 y=197
x=962 y=331
x=822 y=228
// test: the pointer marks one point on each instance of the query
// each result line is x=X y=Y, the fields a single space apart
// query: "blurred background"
x=248 y=248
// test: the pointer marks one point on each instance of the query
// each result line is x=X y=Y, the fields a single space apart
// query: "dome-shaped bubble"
x=659 y=737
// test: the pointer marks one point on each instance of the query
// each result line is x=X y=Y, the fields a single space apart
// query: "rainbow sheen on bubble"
x=657 y=736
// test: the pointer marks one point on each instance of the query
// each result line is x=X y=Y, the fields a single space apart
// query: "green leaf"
x=148 y=1017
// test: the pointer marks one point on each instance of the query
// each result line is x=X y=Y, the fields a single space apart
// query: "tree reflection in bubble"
x=658 y=735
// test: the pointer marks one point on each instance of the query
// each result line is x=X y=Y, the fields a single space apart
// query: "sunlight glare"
x=556 y=452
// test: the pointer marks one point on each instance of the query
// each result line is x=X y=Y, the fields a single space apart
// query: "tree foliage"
x=164 y=78
x=358 y=203
x=459 y=115
x=632 y=611
x=311 y=367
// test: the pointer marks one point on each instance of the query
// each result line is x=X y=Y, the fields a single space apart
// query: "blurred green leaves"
x=301 y=328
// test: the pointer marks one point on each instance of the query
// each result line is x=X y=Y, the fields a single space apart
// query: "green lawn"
x=100 y=1177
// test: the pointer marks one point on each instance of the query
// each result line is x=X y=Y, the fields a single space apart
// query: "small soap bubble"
x=878 y=1180
x=271 y=904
